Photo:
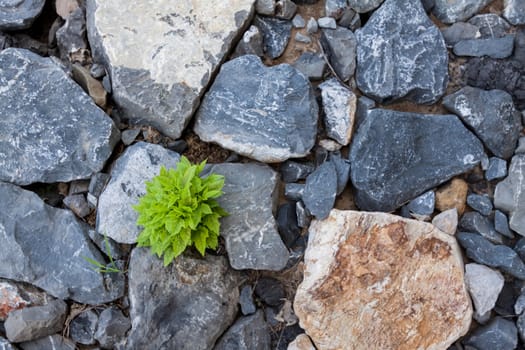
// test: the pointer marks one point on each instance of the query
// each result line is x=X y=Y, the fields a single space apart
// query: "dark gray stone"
x=483 y=252
x=519 y=46
x=101 y=240
x=342 y=168
x=362 y=6
x=112 y=327
x=499 y=334
x=519 y=306
x=428 y=5
x=350 y=19
x=78 y=204
x=312 y=26
x=514 y=11
x=97 y=71
x=246 y=300
x=82 y=328
x=287 y=224
x=33 y=322
x=423 y=205
x=501 y=224
x=71 y=37
x=270 y=291
x=186 y=305
x=292 y=171
x=401 y=54
x=250 y=110
x=294 y=191
x=475 y=222
x=492 y=116
x=19 y=14
x=320 y=190
x=52 y=342
x=250 y=44
x=521 y=146
x=303 y=216
x=327 y=23
x=520 y=324
x=128 y=136
x=285 y=9
x=46 y=247
x=495 y=48
x=508 y=298
x=459 y=31
x=97 y=183
x=311 y=65
x=509 y=196
x=490 y=25
x=247 y=333
x=298 y=21
x=78 y=186
x=179 y=146
x=5 y=344
x=300 y=37
x=340 y=46
x=497 y=169
x=395 y=156
x=480 y=203
x=460 y=10
x=276 y=34
x=58 y=134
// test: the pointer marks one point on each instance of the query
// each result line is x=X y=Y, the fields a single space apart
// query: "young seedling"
x=101 y=268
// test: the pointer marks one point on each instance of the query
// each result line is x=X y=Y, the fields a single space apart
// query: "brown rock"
x=379 y=281
x=65 y=7
x=90 y=85
x=452 y=195
x=10 y=299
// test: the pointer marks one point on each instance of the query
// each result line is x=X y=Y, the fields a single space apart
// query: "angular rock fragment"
x=276 y=34
x=340 y=45
x=495 y=48
x=248 y=333
x=459 y=31
x=362 y=6
x=320 y=190
x=475 y=222
x=510 y=194
x=490 y=25
x=386 y=277
x=302 y=342
x=447 y=221
x=339 y=105
x=111 y=327
x=484 y=285
x=499 y=334
x=19 y=14
x=497 y=169
x=480 y=203
x=71 y=37
x=53 y=342
x=460 y=10
x=250 y=44
x=82 y=328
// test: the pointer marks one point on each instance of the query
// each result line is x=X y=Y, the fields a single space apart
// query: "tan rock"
x=379 y=281
x=452 y=195
x=301 y=342
x=65 y=7
x=90 y=85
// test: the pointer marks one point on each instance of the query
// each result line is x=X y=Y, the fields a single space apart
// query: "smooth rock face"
x=19 y=14
x=447 y=221
x=46 y=246
x=116 y=217
x=265 y=113
x=186 y=305
x=484 y=285
x=57 y=134
x=401 y=54
x=320 y=190
x=510 y=194
x=459 y=31
x=248 y=333
x=162 y=55
x=393 y=156
x=514 y=11
x=492 y=116
x=495 y=48
x=386 y=277
x=459 y=10
x=339 y=105
x=250 y=231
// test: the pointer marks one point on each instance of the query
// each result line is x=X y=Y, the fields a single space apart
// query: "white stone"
x=447 y=221
x=484 y=285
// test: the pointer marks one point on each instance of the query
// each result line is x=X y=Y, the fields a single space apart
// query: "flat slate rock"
x=510 y=194
x=276 y=34
x=395 y=156
x=492 y=47
x=161 y=55
x=186 y=305
x=459 y=31
x=265 y=113
x=46 y=246
x=55 y=134
x=339 y=105
x=19 y=14
x=459 y=10
x=401 y=54
x=491 y=115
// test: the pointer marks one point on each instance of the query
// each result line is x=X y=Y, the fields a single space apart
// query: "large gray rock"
x=266 y=113
x=55 y=132
x=459 y=10
x=499 y=334
x=248 y=333
x=491 y=115
x=19 y=14
x=161 y=55
x=116 y=217
x=186 y=305
x=490 y=25
x=514 y=11
x=396 y=156
x=46 y=247
x=510 y=194
x=401 y=54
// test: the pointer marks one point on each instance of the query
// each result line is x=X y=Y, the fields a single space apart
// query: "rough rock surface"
x=386 y=276
x=186 y=305
x=394 y=159
x=19 y=14
x=320 y=190
x=452 y=195
x=459 y=10
x=340 y=45
x=510 y=194
x=45 y=247
x=364 y=5
x=52 y=342
x=401 y=54
x=302 y=342
x=56 y=133
x=339 y=105
x=112 y=327
x=276 y=34
x=499 y=334
x=514 y=11
x=6 y=345
x=484 y=285
x=162 y=55
x=247 y=333
x=82 y=328
x=492 y=47
x=265 y=113
x=490 y=25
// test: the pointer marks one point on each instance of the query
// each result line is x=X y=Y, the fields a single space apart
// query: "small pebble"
x=78 y=205
x=501 y=224
x=292 y=171
x=285 y=9
x=298 y=21
x=312 y=27
x=303 y=216
x=129 y=135
x=97 y=71
x=475 y=222
x=178 y=146
x=265 y=7
x=422 y=206
x=302 y=38
x=497 y=169
x=327 y=23
x=270 y=291
x=246 y=301
x=480 y=203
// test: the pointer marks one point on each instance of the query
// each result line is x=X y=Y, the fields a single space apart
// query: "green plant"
x=101 y=268
x=179 y=210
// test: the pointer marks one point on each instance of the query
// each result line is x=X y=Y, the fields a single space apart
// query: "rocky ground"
x=373 y=154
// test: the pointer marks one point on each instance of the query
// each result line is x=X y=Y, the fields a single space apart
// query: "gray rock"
x=300 y=37
x=459 y=31
x=246 y=301
x=303 y=216
x=250 y=44
x=342 y=168
x=97 y=71
x=327 y=23
x=19 y=14
x=178 y=47
x=287 y=224
x=292 y=171
x=519 y=306
x=46 y=247
x=350 y=19
x=78 y=186
x=501 y=224
x=492 y=116
x=484 y=285
x=450 y=12
x=5 y=41
x=112 y=327
x=490 y=25
x=128 y=136
x=71 y=37
x=5 y=344
x=480 y=203
x=520 y=323
x=186 y=305
x=394 y=159
x=521 y=146
x=78 y=204
x=138 y=164
x=514 y=11
x=276 y=34
x=294 y=191
x=423 y=205
x=519 y=47
x=34 y=322
x=483 y=252
x=249 y=109
x=97 y=183
x=475 y=222
x=364 y=105
x=335 y=8
x=320 y=190
x=52 y=342
x=82 y=328
x=499 y=334
x=311 y=65
x=495 y=48
x=59 y=134
x=447 y=221
x=401 y=54
x=265 y=7
x=497 y=169
x=509 y=196
x=339 y=105
x=340 y=46
x=250 y=231
x=362 y=6
x=298 y=21
x=247 y=333
x=312 y=27
x=270 y=291
x=285 y=9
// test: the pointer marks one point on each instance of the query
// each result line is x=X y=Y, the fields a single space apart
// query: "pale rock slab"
x=161 y=55
x=484 y=285
x=339 y=105
x=379 y=281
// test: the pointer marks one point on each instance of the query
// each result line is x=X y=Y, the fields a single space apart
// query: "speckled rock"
x=490 y=25
x=247 y=333
x=385 y=276
x=510 y=194
x=514 y=11
x=339 y=105
x=484 y=285
x=276 y=34
x=458 y=10
x=320 y=190
x=19 y=14
x=362 y=6
x=492 y=47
